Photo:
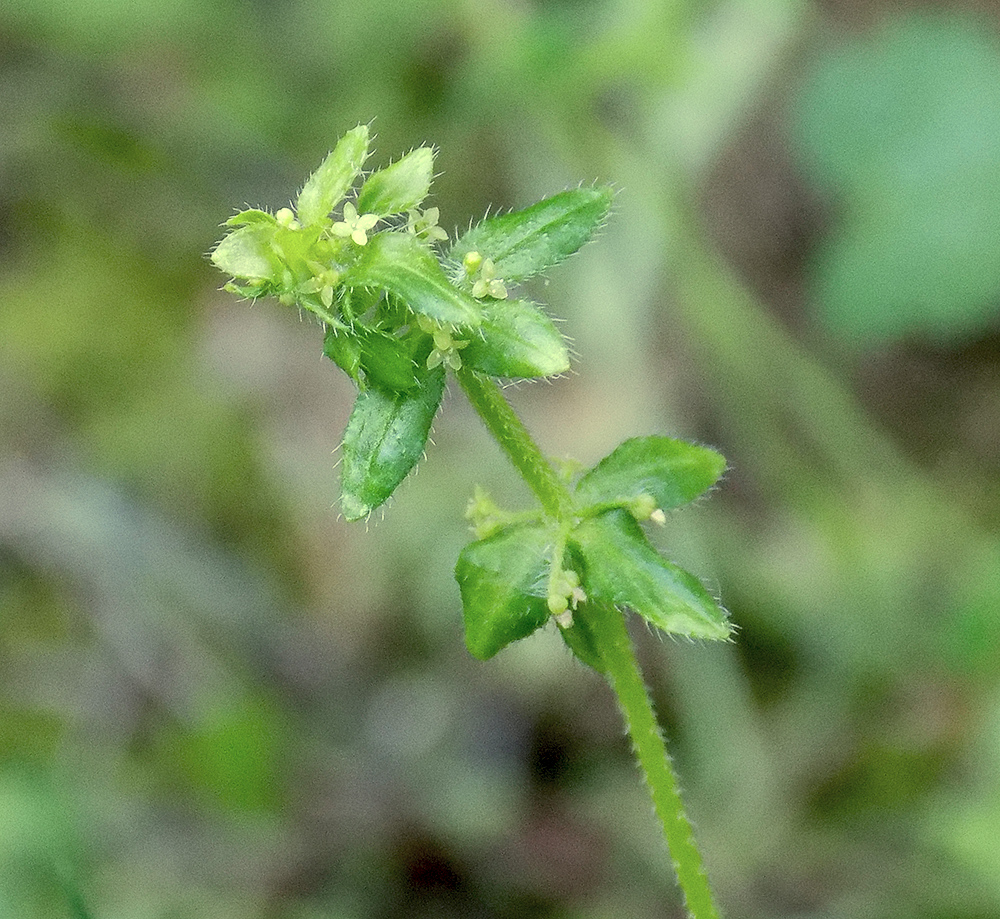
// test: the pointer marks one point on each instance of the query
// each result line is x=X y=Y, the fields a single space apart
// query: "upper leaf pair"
x=394 y=309
x=395 y=189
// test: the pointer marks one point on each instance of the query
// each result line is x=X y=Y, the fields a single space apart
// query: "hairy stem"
x=509 y=431
x=607 y=625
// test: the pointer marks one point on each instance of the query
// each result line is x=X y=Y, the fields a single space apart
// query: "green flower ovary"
x=643 y=507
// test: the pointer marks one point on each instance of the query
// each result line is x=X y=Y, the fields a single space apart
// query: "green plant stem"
x=509 y=431
x=607 y=626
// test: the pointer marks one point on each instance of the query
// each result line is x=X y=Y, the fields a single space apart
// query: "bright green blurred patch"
x=232 y=755
x=970 y=636
x=87 y=321
x=104 y=23
x=963 y=820
x=38 y=846
x=902 y=128
x=29 y=734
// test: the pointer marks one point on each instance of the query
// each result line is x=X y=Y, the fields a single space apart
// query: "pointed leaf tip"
x=623 y=569
x=502 y=579
x=384 y=440
x=400 y=186
x=526 y=242
x=516 y=340
x=247 y=253
x=673 y=472
x=328 y=185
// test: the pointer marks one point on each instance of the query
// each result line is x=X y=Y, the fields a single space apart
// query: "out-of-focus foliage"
x=216 y=699
x=902 y=127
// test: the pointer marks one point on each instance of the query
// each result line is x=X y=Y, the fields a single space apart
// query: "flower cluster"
x=397 y=312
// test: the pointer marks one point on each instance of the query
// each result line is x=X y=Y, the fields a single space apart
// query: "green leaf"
x=326 y=187
x=259 y=288
x=516 y=339
x=250 y=217
x=900 y=125
x=623 y=569
x=386 y=361
x=672 y=471
x=503 y=582
x=247 y=253
x=384 y=439
x=296 y=248
x=400 y=186
x=402 y=265
x=344 y=349
x=529 y=241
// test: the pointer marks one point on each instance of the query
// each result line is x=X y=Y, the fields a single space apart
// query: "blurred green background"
x=217 y=699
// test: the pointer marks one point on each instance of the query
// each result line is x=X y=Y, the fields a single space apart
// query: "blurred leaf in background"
x=901 y=128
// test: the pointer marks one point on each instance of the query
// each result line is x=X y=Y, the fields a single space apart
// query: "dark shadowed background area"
x=218 y=699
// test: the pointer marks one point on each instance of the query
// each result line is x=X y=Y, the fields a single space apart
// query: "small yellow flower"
x=445 y=351
x=484 y=513
x=488 y=284
x=425 y=224
x=355 y=225
x=446 y=348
